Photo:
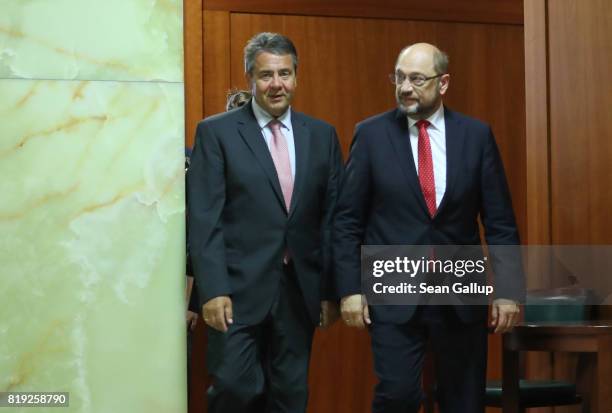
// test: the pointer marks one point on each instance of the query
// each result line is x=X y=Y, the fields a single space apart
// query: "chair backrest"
x=564 y=305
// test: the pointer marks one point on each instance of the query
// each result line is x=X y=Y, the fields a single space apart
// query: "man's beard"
x=417 y=107
x=414 y=108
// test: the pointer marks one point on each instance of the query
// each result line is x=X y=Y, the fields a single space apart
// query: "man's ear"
x=444 y=82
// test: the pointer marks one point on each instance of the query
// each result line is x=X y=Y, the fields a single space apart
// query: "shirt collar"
x=436 y=119
x=263 y=117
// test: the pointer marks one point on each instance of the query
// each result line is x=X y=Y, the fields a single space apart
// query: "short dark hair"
x=274 y=43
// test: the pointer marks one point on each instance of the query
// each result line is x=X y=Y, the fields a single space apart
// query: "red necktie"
x=426 y=174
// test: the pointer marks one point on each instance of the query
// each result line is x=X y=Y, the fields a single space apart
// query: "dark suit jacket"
x=381 y=202
x=239 y=226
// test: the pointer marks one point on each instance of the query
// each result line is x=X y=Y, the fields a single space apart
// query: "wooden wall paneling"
x=537 y=145
x=193 y=54
x=580 y=58
x=581 y=126
x=344 y=63
x=474 y=11
x=537 y=130
x=331 y=78
x=575 y=34
x=199 y=378
x=341 y=377
x=342 y=78
x=216 y=60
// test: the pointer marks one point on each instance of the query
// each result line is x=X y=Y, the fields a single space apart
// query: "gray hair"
x=440 y=62
x=268 y=42
x=440 y=59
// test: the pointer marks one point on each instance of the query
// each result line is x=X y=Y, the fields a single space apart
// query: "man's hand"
x=217 y=312
x=355 y=311
x=192 y=320
x=329 y=313
x=504 y=315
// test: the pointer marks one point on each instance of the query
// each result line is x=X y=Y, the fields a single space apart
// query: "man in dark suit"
x=422 y=175
x=263 y=185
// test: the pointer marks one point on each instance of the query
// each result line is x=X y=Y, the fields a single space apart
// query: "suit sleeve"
x=206 y=192
x=501 y=232
x=328 y=290
x=351 y=219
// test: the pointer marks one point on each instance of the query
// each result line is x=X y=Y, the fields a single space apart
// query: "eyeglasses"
x=418 y=80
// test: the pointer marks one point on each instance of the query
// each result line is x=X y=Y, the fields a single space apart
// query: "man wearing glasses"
x=422 y=174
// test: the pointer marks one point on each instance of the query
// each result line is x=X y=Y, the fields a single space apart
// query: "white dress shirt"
x=263 y=118
x=437 y=140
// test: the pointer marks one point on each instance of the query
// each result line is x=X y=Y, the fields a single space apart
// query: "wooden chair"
x=566 y=305
x=559 y=306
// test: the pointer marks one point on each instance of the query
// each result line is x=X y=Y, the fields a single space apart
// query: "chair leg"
x=510 y=381
x=585 y=373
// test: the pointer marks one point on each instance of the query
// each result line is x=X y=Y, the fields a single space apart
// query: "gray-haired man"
x=263 y=183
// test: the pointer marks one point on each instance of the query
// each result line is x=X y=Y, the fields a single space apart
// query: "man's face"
x=419 y=102
x=273 y=82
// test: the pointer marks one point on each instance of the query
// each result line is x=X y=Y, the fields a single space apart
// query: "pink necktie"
x=280 y=156
x=426 y=174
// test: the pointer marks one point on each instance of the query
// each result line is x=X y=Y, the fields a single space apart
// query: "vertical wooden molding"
x=192 y=37
x=194 y=111
x=216 y=60
x=537 y=123
x=537 y=143
x=192 y=50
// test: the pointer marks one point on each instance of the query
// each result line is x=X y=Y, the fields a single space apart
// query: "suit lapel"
x=400 y=139
x=301 y=137
x=251 y=134
x=455 y=135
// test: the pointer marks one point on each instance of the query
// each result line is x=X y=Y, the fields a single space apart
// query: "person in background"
x=237 y=98
x=193 y=307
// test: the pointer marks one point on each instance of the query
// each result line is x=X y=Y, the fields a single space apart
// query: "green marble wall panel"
x=91 y=39
x=92 y=243
x=92 y=213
